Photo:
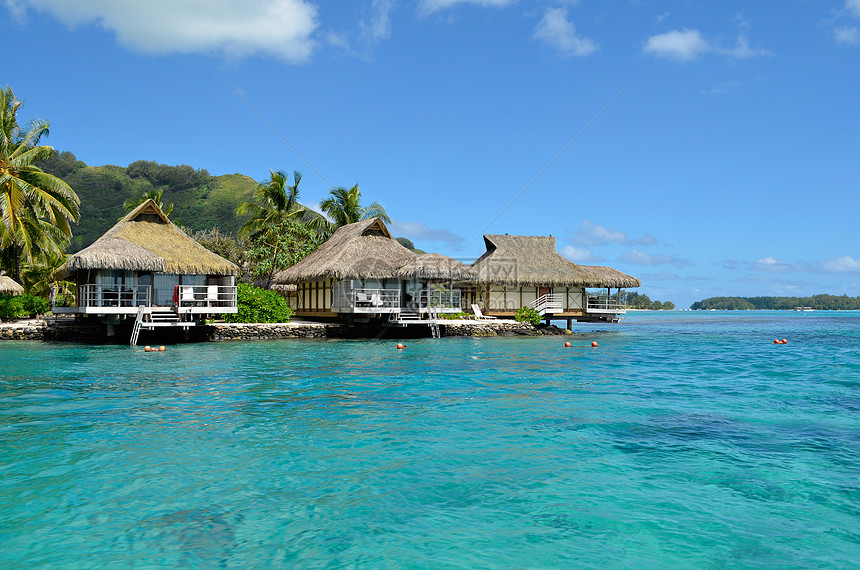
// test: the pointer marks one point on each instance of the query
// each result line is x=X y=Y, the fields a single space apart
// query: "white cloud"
x=580 y=254
x=557 y=31
x=742 y=50
x=845 y=264
x=689 y=45
x=236 y=28
x=637 y=257
x=685 y=45
x=416 y=231
x=430 y=6
x=771 y=264
x=853 y=6
x=591 y=234
x=378 y=25
x=846 y=35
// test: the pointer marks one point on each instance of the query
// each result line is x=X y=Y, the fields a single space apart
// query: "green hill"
x=201 y=201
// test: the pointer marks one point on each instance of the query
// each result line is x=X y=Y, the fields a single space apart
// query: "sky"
x=707 y=148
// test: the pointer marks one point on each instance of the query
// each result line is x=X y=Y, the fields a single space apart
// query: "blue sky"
x=729 y=166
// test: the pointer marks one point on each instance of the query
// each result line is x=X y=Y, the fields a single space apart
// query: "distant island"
x=821 y=302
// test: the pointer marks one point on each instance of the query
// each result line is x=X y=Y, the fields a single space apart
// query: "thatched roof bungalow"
x=363 y=270
x=10 y=286
x=145 y=260
x=518 y=271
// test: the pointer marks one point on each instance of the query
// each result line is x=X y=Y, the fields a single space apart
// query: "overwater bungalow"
x=363 y=273
x=147 y=269
x=527 y=271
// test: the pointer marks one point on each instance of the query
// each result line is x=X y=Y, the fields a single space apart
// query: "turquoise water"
x=684 y=439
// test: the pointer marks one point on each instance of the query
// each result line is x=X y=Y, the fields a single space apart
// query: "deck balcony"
x=385 y=301
x=605 y=304
x=548 y=304
x=94 y=298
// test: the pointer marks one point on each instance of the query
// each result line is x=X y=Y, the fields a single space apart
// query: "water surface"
x=683 y=439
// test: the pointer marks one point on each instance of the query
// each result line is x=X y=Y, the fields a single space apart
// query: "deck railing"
x=367 y=298
x=605 y=303
x=549 y=303
x=439 y=299
x=205 y=296
x=94 y=295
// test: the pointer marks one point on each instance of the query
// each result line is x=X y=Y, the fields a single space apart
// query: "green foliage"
x=820 y=302
x=104 y=189
x=455 y=316
x=405 y=242
x=280 y=246
x=528 y=315
x=643 y=301
x=259 y=306
x=156 y=196
x=36 y=207
x=22 y=306
x=176 y=178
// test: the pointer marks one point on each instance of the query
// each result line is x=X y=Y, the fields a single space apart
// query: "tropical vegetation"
x=36 y=207
x=22 y=306
x=257 y=305
x=822 y=302
x=643 y=301
x=344 y=207
x=528 y=315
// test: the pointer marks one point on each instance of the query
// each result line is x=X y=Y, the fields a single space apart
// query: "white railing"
x=205 y=296
x=438 y=299
x=549 y=303
x=367 y=298
x=605 y=303
x=93 y=295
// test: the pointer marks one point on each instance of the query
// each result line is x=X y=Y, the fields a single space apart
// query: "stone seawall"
x=270 y=331
x=74 y=331
x=27 y=330
x=504 y=328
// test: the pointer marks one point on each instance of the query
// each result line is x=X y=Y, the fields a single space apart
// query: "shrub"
x=259 y=306
x=455 y=316
x=22 y=306
x=528 y=315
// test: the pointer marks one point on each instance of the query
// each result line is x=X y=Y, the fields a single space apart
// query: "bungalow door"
x=544 y=291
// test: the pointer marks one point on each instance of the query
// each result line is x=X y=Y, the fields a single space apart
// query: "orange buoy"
x=161 y=348
x=594 y=344
x=567 y=345
x=784 y=341
x=401 y=345
x=776 y=341
x=147 y=348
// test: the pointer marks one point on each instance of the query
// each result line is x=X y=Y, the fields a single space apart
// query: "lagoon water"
x=684 y=439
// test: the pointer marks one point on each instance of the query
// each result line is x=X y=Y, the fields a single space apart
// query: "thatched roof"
x=436 y=266
x=601 y=276
x=529 y=261
x=9 y=285
x=363 y=250
x=145 y=240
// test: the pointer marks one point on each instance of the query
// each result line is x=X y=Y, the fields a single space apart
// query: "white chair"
x=376 y=300
x=479 y=315
x=361 y=299
x=211 y=295
x=186 y=295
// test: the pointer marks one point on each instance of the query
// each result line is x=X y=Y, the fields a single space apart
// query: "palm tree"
x=156 y=196
x=36 y=208
x=344 y=207
x=274 y=202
